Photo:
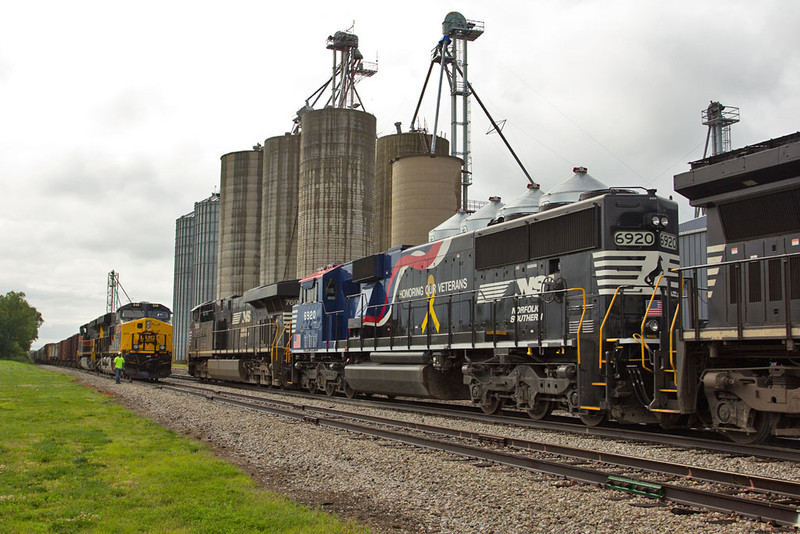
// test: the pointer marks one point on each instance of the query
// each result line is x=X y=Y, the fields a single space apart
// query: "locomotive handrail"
x=644 y=319
x=274 y=351
x=731 y=262
x=406 y=308
x=671 y=343
x=600 y=360
x=738 y=288
x=238 y=343
x=580 y=323
x=332 y=331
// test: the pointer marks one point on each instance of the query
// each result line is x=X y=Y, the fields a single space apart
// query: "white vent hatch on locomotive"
x=640 y=270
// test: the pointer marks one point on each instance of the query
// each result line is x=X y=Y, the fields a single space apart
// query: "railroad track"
x=781 y=450
x=764 y=499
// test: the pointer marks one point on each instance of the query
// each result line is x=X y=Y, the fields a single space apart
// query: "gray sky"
x=113 y=116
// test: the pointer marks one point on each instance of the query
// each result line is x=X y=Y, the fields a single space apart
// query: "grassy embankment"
x=71 y=460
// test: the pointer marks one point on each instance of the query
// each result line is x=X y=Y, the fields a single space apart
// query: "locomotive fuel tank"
x=231 y=370
x=409 y=380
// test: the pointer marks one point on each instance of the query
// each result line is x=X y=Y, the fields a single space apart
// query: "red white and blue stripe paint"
x=423 y=257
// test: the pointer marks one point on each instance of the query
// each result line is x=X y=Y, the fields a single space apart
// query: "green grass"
x=71 y=460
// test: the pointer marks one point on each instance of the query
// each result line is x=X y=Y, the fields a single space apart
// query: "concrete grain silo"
x=238 y=259
x=336 y=187
x=390 y=148
x=425 y=192
x=279 y=208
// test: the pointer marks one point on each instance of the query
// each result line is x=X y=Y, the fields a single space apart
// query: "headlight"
x=652 y=326
x=135 y=346
x=148 y=323
x=162 y=347
x=664 y=221
x=655 y=220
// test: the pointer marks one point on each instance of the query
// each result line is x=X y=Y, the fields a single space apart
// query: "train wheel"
x=348 y=391
x=493 y=407
x=764 y=424
x=330 y=388
x=593 y=419
x=541 y=410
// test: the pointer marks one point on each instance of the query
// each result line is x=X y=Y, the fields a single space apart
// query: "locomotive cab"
x=741 y=363
x=326 y=304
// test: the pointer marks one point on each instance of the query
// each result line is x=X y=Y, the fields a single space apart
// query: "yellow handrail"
x=274 y=347
x=640 y=339
x=580 y=323
x=287 y=349
x=600 y=361
x=644 y=319
x=671 y=350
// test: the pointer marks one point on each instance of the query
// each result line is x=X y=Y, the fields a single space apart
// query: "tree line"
x=19 y=326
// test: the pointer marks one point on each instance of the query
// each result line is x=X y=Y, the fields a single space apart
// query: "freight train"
x=140 y=331
x=578 y=307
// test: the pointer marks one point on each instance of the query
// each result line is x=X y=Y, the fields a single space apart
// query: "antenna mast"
x=112 y=292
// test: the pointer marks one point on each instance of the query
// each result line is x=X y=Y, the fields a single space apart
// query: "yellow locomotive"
x=140 y=331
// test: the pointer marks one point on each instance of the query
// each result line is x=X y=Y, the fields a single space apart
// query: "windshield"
x=161 y=315
x=130 y=315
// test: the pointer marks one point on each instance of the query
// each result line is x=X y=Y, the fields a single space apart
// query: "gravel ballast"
x=395 y=488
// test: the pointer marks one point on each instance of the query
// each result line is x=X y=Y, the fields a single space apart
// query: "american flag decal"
x=656 y=309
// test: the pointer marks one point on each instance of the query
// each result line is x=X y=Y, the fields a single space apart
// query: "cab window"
x=330 y=289
x=308 y=292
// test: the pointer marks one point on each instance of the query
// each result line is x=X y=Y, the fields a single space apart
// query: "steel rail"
x=626 y=433
x=760 y=510
x=786 y=488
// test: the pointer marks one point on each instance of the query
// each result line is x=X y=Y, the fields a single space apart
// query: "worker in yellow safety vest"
x=119 y=362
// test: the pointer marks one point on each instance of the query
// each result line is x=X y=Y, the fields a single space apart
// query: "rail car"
x=245 y=339
x=581 y=308
x=740 y=367
x=509 y=315
x=140 y=331
x=563 y=309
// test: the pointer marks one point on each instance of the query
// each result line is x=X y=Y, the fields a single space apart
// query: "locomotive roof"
x=565 y=209
x=143 y=304
x=285 y=289
x=763 y=163
x=320 y=273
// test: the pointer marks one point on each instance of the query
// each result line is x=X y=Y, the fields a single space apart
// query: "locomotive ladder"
x=665 y=392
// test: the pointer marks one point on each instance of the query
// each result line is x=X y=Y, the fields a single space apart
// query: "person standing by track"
x=119 y=362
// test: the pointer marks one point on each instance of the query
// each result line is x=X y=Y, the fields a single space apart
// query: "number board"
x=634 y=239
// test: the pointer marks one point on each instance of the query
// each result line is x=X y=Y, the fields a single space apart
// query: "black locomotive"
x=576 y=308
x=739 y=368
